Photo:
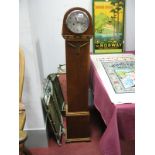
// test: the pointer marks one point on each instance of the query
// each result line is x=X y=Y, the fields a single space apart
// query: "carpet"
x=76 y=148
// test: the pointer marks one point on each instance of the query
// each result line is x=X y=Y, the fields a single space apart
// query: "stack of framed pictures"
x=53 y=104
x=108 y=21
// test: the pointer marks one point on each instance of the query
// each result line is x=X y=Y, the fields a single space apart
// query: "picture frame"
x=52 y=111
x=108 y=25
x=57 y=92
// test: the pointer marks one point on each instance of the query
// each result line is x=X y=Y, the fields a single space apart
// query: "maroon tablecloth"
x=119 y=118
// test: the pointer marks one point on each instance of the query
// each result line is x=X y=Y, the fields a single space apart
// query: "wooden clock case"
x=77 y=75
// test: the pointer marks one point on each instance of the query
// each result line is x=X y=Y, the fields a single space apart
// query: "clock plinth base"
x=78 y=140
x=78 y=127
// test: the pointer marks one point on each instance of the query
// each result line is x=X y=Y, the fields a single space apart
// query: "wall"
x=130 y=25
x=46 y=19
x=35 y=125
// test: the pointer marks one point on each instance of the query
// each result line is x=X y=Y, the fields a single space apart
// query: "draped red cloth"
x=119 y=118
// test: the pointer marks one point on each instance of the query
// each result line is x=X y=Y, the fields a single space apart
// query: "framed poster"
x=108 y=18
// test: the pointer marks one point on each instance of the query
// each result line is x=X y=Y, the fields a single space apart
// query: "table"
x=117 y=111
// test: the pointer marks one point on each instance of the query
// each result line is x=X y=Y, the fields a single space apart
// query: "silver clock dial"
x=77 y=21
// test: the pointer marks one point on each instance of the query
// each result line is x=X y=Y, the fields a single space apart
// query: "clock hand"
x=76 y=20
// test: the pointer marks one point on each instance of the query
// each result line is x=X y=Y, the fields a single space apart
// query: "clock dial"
x=77 y=21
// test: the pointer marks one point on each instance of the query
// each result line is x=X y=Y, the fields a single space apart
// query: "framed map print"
x=108 y=18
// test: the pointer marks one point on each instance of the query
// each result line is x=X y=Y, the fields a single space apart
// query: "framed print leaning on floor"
x=108 y=18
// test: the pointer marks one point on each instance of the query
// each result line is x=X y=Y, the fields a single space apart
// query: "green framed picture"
x=108 y=19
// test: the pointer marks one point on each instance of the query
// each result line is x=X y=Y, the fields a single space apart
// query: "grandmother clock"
x=77 y=31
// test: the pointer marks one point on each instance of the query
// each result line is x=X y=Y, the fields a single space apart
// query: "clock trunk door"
x=77 y=61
